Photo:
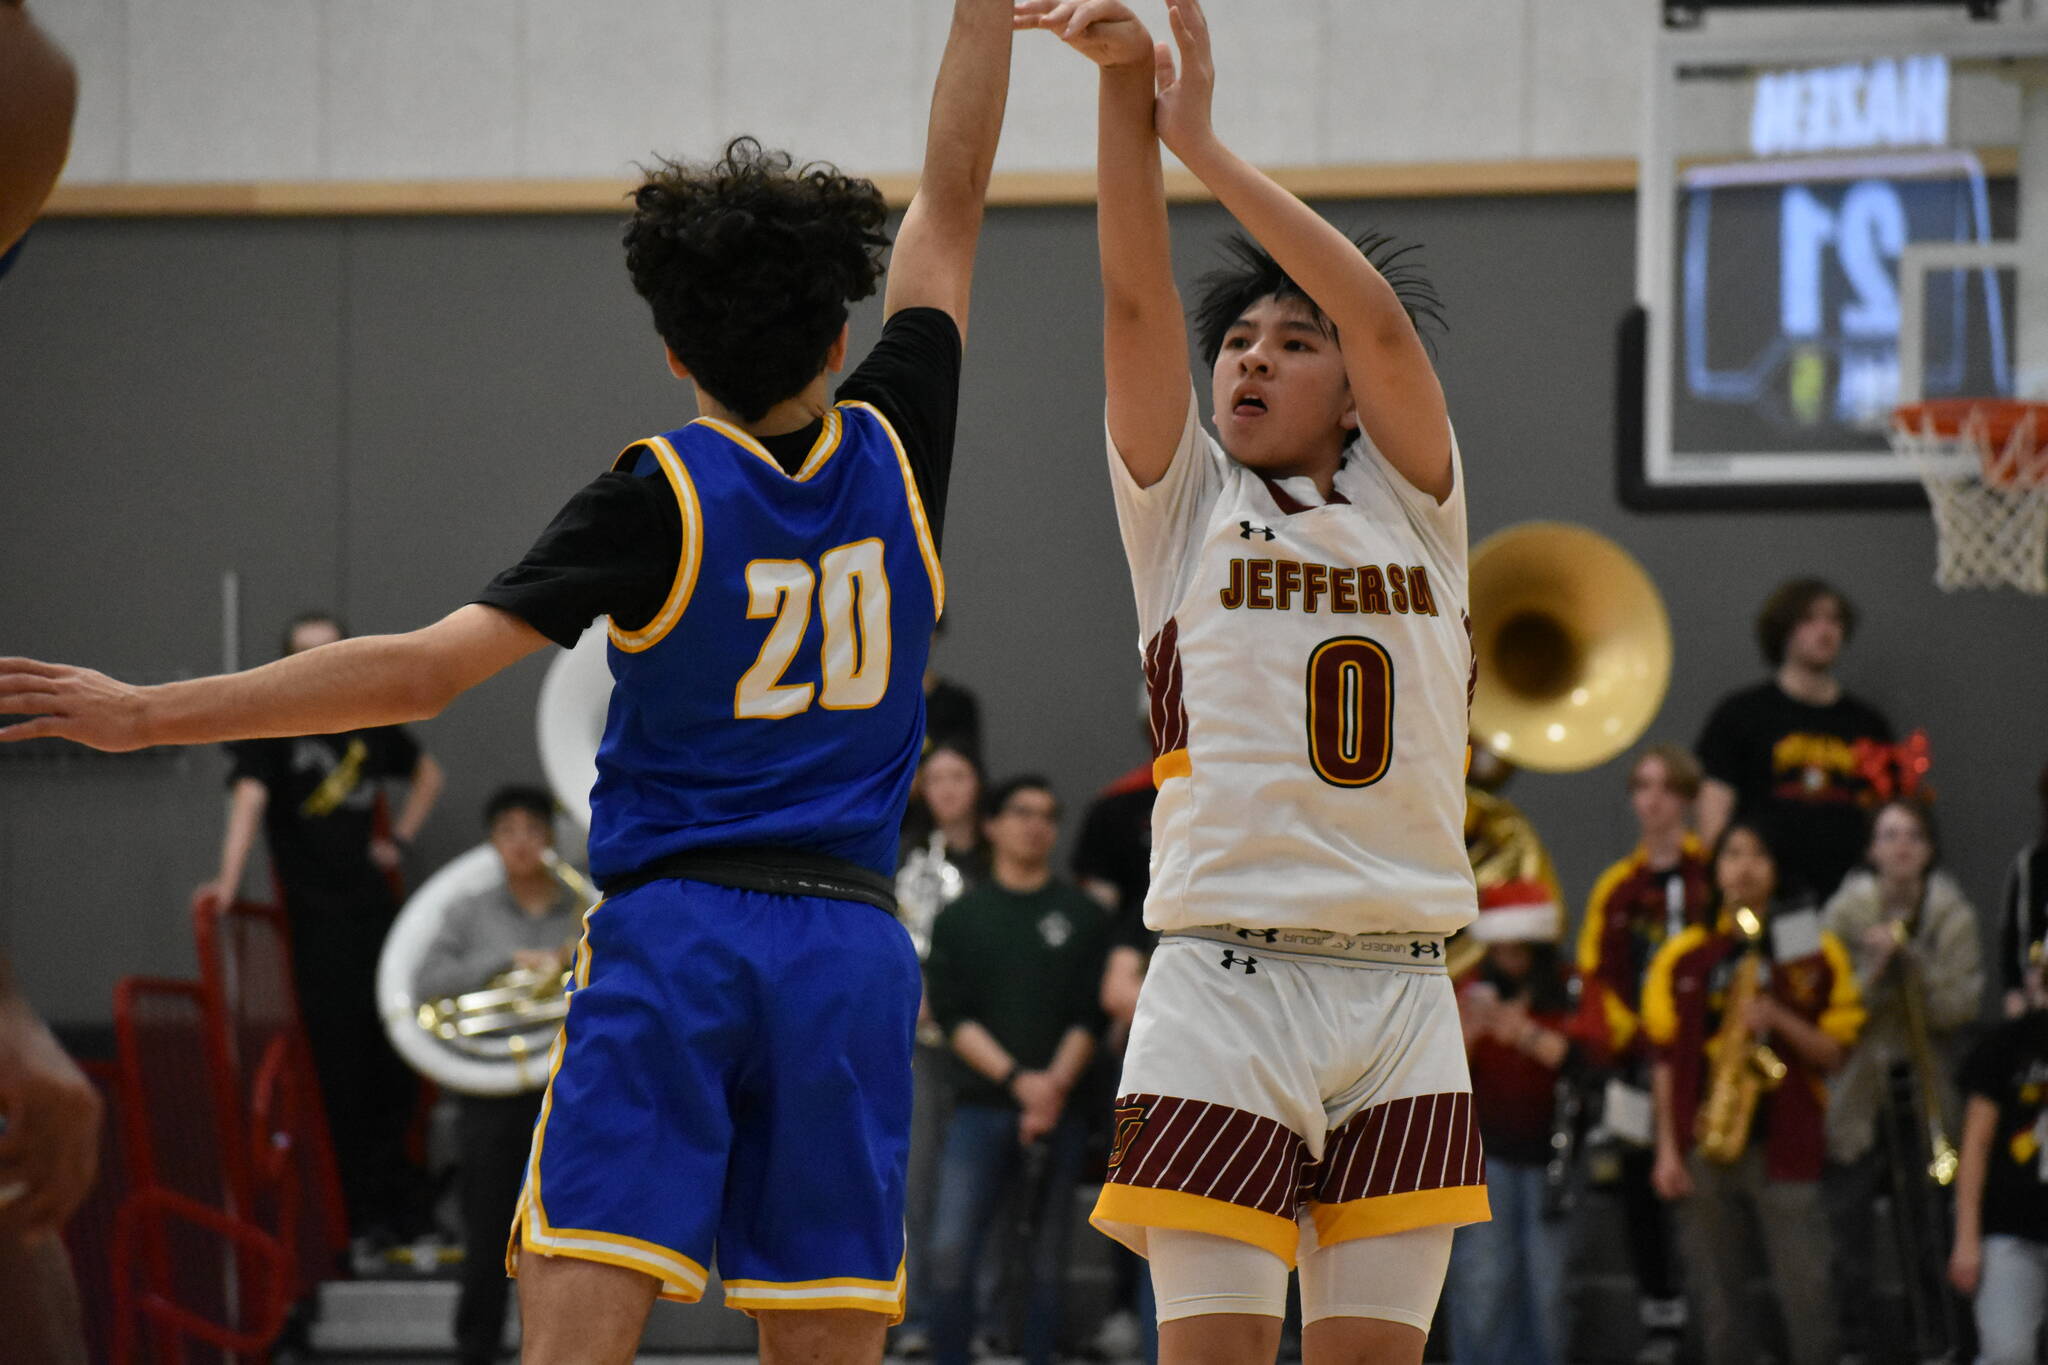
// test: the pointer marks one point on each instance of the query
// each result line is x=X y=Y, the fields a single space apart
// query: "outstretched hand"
x=1182 y=111
x=70 y=703
x=1106 y=32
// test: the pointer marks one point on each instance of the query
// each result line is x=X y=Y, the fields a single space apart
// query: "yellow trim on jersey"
x=1621 y=1020
x=693 y=552
x=1594 y=926
x=682 y=1278
x=822 y=449
x=1390 y=1213
x=1171 y=764
x=1843 y=1017
x=869 y=1296
x=1150 y=1208
x=925 y=545
x=1659 y=1004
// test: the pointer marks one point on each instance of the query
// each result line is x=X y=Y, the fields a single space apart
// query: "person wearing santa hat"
x=1506 y=1282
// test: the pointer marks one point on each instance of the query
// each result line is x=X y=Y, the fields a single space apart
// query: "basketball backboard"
x=1788 y=163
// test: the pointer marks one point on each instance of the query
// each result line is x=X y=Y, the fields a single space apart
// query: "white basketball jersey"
x=1310 y=667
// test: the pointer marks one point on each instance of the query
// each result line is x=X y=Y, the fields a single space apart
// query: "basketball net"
x=1984 y=463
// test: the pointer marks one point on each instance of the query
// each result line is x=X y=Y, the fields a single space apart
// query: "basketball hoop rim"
x=2006 y=438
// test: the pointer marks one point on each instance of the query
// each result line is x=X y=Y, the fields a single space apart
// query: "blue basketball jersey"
x=777 y=698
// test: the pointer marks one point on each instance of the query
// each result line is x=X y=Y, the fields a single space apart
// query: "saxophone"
x=1743 y=1066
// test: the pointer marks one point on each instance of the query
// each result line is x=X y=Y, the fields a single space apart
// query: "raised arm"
x=1144 y=333
x=348 y=685
x=933 y=264
x=1399 y=400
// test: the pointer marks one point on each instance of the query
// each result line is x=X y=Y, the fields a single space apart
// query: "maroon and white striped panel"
x=1424 y=1142
x=1210 y=1150
x=1162 y=685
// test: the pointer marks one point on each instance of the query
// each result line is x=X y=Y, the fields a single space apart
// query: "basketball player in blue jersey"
x=734 y=1071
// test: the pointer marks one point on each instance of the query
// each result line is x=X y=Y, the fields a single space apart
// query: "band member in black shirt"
x=1784 y=749
x=316 y=798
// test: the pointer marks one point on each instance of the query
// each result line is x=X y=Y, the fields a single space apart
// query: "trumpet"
x=1744 y=1067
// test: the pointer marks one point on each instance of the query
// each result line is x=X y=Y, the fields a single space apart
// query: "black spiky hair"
x=1249 y=274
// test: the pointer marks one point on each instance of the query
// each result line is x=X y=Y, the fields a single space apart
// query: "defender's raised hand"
x=1182 y=111
x=1106 y=32
x=70 y=703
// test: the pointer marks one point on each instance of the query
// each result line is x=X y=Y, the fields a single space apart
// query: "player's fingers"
x=1182 y=38
x=42 y=727
x=34 y=668
x=1032 y=13
x=25 y=696
x=1191 y=31
x=1162 y=70
x=1078 y=17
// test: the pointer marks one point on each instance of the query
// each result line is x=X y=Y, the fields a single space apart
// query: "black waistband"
x=778 y=871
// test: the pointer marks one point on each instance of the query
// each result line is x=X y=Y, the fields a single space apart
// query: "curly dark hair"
x=1250 y=274
x=1788 y=605
x=749 y=264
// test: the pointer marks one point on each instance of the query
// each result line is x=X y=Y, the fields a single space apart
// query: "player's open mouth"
x=1248 y=404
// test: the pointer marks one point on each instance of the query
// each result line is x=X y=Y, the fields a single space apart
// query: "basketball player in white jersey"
x=1295 y=1090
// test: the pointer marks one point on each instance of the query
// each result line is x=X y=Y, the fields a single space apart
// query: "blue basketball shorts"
x=732 y=1080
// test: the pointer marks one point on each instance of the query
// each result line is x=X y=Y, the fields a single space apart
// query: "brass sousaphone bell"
x=1573 y=646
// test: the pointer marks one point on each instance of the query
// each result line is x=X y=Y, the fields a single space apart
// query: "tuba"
x=495 y=1038
x=1743 y=1066
x=1571 y=644
x=1571 y=654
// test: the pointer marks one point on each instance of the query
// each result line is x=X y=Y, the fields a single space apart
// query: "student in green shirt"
x=1013 y=981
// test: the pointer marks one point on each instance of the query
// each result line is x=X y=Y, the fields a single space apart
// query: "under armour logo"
x=1420 y=949
x=1269 y=935
x=1250 y=530
x=1231 y=959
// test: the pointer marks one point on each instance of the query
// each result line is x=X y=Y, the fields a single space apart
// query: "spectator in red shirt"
x=1506 y=1281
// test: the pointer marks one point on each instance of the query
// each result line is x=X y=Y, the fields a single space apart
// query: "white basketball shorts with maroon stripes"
x=1271 y=1094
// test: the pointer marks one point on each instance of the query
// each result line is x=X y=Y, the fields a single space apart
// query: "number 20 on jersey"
x=850 y=589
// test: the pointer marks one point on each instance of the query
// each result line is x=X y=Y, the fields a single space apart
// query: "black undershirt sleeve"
x=614 y=547
x=611 y=551
x=913 y=376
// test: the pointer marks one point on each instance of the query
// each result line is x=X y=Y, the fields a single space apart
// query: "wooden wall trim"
x=352 y=198
x=366 y=198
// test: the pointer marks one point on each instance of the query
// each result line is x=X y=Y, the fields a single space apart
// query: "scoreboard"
x=1780 y=182
x=1788 y=299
